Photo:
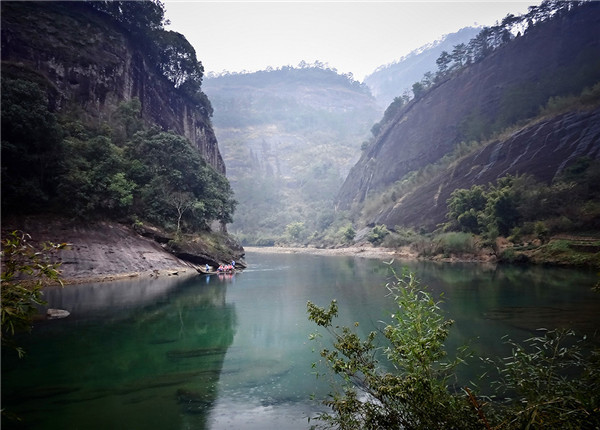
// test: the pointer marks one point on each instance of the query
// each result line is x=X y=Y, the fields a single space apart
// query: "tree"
x=377 y=234
x=295 y=229
x=139 y=17
x=178 y=62
x=166 y=161
x=459 y=54
x=553 y=381
x=418 y=90
x=181 y=202
x=464 y=207
x=443 y=62
x=25 y=270
x=348 y=233
x=501 y=212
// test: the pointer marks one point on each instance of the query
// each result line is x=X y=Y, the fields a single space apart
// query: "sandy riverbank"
x=404 y=253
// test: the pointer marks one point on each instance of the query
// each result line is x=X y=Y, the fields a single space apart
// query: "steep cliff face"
x=88 y=64
x=507 y=86
x=542 y=150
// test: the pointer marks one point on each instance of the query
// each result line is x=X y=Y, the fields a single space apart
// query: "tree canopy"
x=117 y=170
x=173 y=55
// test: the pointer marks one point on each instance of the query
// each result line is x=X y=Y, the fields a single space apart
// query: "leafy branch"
x=25 y=270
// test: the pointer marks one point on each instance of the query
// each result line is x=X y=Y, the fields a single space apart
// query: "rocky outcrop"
x=542 y=150
x=89 y=64
x=105 y=251
x=98 y=251
x=481 y=95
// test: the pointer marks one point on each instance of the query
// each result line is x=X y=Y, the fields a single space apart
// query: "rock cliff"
x=542 y=150
x=89 y=64
x=507 y=86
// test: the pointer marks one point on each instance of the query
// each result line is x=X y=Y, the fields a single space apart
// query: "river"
x=233 y=352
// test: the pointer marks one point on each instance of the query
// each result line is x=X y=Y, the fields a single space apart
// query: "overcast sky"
x=353 y=37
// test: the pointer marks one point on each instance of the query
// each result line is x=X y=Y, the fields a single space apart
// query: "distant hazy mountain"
x=392 y=80
x=289 y=137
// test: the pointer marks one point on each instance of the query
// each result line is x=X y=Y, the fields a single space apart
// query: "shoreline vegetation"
x=560 y=251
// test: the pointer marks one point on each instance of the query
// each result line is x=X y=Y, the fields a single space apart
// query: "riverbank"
x=100 y=251
x=565 y=251
x=403 y=253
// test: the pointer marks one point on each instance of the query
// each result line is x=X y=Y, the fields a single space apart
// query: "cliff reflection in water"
x=145 y=354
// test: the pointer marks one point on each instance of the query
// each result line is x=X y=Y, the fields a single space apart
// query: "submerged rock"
x=53 y=314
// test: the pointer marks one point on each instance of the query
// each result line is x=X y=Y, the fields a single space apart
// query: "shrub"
x=548 y=382
x=457 y=242
x=541 y=231
x=25 y=270
x=415 y=395
x=377 y=234
x=348 y=233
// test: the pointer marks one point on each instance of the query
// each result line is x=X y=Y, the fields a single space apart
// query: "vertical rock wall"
x=87 y=63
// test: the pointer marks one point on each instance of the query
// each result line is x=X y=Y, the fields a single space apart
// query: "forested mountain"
x=393 y=80
x=289 y=137
x=88 y=92
x=520 y=99
x=104 y=119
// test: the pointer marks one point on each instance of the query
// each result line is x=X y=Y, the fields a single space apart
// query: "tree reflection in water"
x=140 y=354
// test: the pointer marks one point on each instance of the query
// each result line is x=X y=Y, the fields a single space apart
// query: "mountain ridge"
x=392 y=80
x=289 y=137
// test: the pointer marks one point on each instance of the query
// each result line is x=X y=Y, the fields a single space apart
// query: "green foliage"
x=410 y=182
x=348 y=233
x=173 y=55
x=377 y=234
x=164 y=166
x=533 y=207
x=549 y=382
x=295 y=230
x=464 y=207
x=415 y=394
x=559 y=104
x=116 y=170
x=541 y=231
x=553 y=382
x=288 y=145
x=25 y=270
x=492 y=210
x=31 y=146
x=456 y=243
x=523 y=100
x=571 y=252
x=401 y=236
x=390 y=113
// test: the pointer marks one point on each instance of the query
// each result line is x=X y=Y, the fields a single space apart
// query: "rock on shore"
x=100 y=251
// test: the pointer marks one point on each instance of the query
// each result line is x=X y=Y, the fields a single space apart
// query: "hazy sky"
x=354 y=37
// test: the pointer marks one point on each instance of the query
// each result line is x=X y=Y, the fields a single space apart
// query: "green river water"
x=232 y=352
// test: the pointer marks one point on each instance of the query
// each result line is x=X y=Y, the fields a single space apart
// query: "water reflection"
x=144 y=355
x=225 y=352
